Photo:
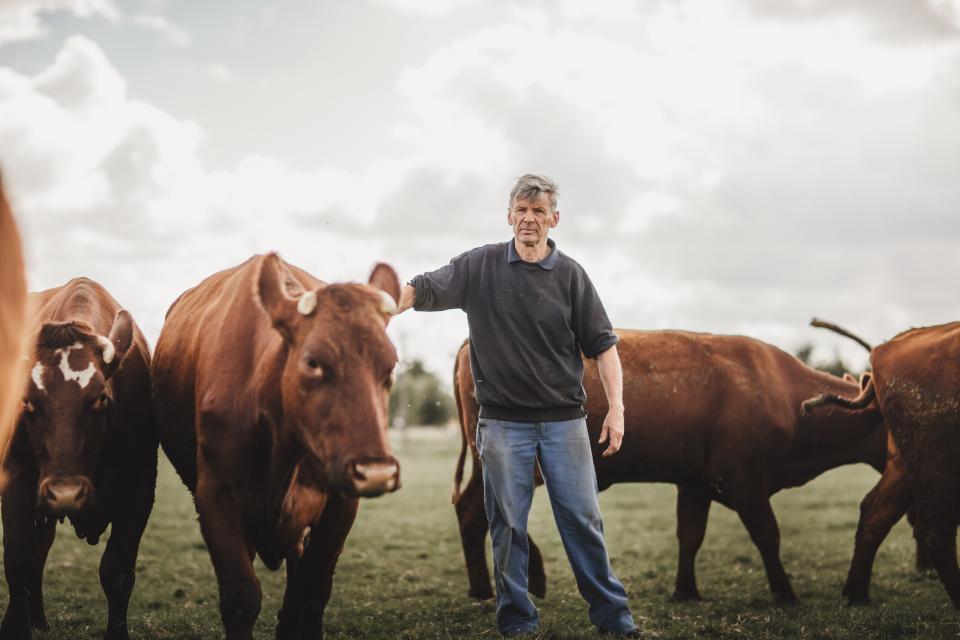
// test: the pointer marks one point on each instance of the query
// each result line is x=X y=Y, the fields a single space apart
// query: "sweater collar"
x=547 y=263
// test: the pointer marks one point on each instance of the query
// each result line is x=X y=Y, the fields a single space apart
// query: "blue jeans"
x=509 y=452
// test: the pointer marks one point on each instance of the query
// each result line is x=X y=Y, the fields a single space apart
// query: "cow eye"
x=313 y=366
x=28 y=406
x=102 y=402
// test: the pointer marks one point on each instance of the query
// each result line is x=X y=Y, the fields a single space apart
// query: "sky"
x=732 y=166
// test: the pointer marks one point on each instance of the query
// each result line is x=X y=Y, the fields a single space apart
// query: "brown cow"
x=916 y=385
x=85 y=448
x=719 y=416
x=13 y=323
x=271 y=390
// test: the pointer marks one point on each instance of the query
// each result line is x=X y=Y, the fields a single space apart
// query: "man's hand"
x=612 y=429
x=611 y=375
x=407 y=296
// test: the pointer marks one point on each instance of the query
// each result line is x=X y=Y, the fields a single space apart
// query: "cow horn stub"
x=307 y=303
x=107 y=350
x=388 y=306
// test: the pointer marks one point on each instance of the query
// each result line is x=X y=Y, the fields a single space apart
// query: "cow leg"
x=310 y=578
x=880 y=510
x=22 y=557
x=750 y=497
x=473 y=534
x=232 y=557
x=46 y=532
x=693 y=507
x=535 y=573
x=936 y=530
x=923 y=562
x=118 y=566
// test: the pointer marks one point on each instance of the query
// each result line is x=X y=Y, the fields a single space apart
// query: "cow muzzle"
x=371 y=479
x=65 y=496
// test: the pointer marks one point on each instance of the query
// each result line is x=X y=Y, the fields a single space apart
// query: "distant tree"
x=419 y=399
x=836 y=366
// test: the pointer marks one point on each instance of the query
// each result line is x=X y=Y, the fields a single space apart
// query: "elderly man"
x=531 y=311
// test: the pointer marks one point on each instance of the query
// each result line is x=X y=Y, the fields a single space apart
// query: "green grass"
x=402 y=574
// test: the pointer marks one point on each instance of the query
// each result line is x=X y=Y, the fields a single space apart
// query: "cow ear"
x=272 y=296
x=865 y=378
x=116 y=345
x=385 y=279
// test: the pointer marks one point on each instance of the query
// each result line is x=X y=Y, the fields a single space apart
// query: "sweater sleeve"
x=591 y=325
x=445 y=288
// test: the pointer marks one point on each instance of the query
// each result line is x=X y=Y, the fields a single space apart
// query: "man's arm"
x=611 y=375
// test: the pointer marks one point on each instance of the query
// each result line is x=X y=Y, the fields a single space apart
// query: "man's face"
x=532 y=219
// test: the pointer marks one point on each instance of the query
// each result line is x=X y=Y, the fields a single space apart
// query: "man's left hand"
x=612 y=429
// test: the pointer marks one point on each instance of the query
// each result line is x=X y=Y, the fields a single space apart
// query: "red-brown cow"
x=271 y=390
x=719 y=416
x=916 y=385
x=13 y=322
x=85 y=448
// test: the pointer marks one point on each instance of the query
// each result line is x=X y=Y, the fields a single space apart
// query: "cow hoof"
x=116 y=634
x=538 y=586
x=481 y=595
x=787 y=600
x=685 y=596
x=15 y=632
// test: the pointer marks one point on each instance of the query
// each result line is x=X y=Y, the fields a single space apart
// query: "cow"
x=13 y=323
x=718 y=416
x=271 y=392
x=915 y=385
x=84 y=449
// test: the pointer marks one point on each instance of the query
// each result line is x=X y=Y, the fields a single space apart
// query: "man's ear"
x=555 y=220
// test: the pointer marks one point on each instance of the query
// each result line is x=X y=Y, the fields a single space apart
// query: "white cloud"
x=174 y=34
x=21 y=19
x=426 y=7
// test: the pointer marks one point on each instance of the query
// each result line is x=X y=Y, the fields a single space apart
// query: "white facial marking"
x=307 y=303
x=388 y=305
x=82 y=378
x=36 y=374
x=107 y=349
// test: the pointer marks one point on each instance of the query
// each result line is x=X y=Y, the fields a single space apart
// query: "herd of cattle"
x=268 y=391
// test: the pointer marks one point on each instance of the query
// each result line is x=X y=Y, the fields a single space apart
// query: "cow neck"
x=287 y=452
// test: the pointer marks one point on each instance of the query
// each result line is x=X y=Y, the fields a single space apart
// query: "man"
x=531 y=311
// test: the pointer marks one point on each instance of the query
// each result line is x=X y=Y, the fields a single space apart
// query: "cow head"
x=66 y=408
x=337 y=374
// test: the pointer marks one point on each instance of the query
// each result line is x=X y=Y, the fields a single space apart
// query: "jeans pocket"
x=478 y=438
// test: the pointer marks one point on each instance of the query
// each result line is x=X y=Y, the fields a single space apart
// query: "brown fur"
x=917 y=380
x=111 y=451
x=13 y=324
x=268 y=451
x=719 y=416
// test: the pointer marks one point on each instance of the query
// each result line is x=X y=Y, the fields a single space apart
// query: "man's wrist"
x=616 y=409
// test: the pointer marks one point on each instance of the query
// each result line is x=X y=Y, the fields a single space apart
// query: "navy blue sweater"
x=529 y=322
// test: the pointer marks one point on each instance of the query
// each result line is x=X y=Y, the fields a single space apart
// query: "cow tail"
x=822 y=324
x=862 y=401
x=461 y=461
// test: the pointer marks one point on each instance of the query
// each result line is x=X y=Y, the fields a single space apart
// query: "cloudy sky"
x=733 y=166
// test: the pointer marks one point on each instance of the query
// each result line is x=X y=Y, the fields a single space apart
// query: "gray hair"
x=531 y=186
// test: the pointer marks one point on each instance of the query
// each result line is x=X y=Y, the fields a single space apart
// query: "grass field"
x=402 y=574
